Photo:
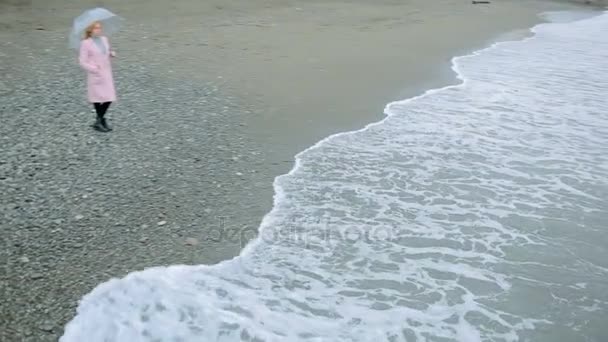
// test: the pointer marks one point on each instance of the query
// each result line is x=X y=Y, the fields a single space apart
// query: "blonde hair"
x=88 y=33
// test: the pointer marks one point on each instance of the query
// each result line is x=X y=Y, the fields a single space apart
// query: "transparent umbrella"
x=110 y=21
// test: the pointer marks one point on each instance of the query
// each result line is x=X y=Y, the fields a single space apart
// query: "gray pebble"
x=191 y=241
x=46 y=326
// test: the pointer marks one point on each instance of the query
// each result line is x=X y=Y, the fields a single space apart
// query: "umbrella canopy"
x=110 y=21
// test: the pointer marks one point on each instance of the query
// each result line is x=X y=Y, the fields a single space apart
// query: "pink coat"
x=100 y=83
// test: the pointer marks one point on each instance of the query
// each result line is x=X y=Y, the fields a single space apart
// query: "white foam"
x=475 y=207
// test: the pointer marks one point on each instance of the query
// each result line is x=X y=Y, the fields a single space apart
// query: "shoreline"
x=513 y=36
x=454 y=66
x=153 y=242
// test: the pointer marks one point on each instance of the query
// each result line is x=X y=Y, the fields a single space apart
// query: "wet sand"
x=215 y=99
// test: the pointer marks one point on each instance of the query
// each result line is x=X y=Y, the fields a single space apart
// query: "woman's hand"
x=112 y=53
x=97 y=69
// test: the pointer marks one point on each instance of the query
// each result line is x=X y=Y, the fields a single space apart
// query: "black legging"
x=101 y=108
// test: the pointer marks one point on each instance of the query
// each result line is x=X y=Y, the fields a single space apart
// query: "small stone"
x=85 y=196
x=144 y=226
x=24 y=259
x=78 y=217
x=173 y=194
x=162 y=223
x=191 y=241
x=143 y=239
x=239 y=174
x=46 y=326
x=36 y=276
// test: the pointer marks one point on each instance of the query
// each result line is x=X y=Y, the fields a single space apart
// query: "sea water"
x=475 y=212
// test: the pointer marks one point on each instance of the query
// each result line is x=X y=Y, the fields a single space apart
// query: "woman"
x=94 y=58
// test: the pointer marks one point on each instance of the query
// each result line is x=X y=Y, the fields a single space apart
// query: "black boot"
x=98 y=126
x=105 y=125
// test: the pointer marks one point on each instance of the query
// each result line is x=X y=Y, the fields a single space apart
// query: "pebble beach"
x=201 y=127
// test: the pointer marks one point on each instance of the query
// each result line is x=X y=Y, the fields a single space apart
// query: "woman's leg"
x=104 y=109
x=99 y=110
